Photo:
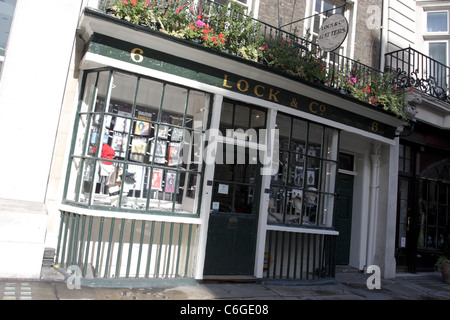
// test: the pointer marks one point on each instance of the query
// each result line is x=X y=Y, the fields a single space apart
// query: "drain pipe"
x=375 y=158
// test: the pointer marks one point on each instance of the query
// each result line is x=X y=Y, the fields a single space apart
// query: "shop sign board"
x=332 y=32
x=151 y=58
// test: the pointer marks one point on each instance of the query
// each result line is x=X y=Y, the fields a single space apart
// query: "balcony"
x=228 y=30
x=412 y=69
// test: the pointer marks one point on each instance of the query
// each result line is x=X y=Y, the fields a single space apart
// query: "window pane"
x=438 y=51
x=437 y=22
x=226 y=117
x=284 y=127
x=242 y=117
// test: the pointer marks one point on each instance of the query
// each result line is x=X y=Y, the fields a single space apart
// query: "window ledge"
x=128 y=215
x=302 y=230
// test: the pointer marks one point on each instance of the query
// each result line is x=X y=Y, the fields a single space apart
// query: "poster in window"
x=170 y=182
x=157 y=179
x=142 y=128
x=298 y=176
x=177 y=134
x=163 y=131
x=160 y=151
x=174 y=153
x=310 y=178
x=138 y=148
x=119 y=142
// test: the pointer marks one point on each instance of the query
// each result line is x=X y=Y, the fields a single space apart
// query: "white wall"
x=31 y=92
x=401 y=28
x=32 y=88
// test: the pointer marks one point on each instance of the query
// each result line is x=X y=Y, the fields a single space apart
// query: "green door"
x=230 y=248
x=343 y=217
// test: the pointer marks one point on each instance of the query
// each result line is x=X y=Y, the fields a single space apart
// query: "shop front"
x=189 y=164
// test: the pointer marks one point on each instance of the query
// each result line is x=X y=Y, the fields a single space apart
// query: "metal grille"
x=299 y=256
x=125 y=248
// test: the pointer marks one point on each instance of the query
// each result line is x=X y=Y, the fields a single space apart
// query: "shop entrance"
x=343 y=217
x=232 y=229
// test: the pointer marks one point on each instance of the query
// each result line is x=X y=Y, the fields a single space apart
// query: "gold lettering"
x=294 y=103
x=311 y=105
x=256 y=91
x=322 y=109
x=273 y=95
x=225 y=80
x=240 y=83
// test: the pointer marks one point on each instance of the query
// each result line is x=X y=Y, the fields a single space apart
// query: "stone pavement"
x=346 y=286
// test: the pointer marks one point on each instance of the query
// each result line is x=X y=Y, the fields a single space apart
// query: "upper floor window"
x=437 y=21
x=436 y=36
x=6 y=15
x=246 y=4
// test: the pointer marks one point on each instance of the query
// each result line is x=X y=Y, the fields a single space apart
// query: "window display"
x=134 y=142
x=302 y=191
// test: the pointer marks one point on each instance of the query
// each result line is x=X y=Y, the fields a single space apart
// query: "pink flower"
x=199 y=23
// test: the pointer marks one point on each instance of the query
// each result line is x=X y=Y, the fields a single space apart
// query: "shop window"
x=434 y=206
x=404 y=163
x=136 y=145
x=302 y=192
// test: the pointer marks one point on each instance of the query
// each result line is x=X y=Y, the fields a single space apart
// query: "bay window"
x=136 y=145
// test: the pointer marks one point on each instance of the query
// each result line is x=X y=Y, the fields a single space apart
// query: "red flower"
x=199 y=17
x=222 y=40
x=221 y=36
x=213 y=38
x=205 y=31
x=192 y=27
x=124 y=2
x=179 y=9
x=133 y=2
x=205 y=38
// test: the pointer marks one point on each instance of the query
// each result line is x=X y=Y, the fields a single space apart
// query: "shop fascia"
x=151 y=58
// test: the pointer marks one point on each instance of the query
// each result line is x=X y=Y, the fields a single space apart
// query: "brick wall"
x=367 y=45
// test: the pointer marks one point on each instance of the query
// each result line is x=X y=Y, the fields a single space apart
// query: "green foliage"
x=228 y=29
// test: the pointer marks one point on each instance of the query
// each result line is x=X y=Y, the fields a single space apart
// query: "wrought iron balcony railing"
x=229 y=30
x=420 y=72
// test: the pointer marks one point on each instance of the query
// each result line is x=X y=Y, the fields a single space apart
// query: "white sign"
x=333 y=32
x=223 y=189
